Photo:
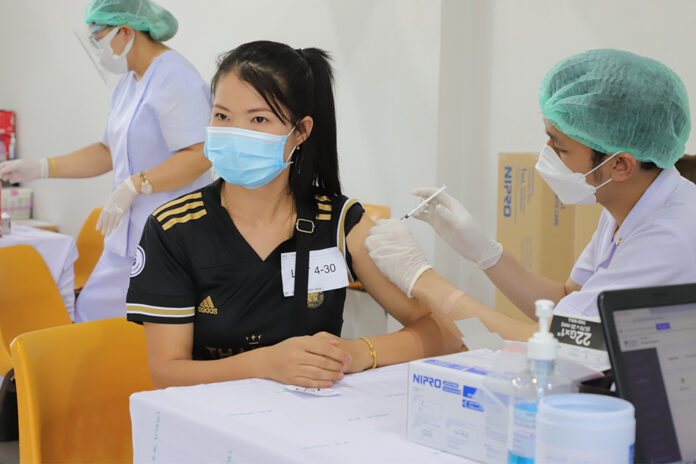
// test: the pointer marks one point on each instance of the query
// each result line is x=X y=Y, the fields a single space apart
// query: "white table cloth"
x=260 y=421
x=57 y=250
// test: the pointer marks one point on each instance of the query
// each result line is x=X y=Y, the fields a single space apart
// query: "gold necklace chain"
x=223 y=201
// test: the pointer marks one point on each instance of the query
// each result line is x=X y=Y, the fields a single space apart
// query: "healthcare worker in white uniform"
x=617 y=123
x=153 y=140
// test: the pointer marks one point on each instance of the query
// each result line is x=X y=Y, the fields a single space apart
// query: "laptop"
x=651 y=338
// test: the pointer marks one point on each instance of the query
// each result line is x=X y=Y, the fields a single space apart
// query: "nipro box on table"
x=442 y=411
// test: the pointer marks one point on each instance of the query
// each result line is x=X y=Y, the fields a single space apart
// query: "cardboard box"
x=545 y=235
x=17 y=202
x=442 y=411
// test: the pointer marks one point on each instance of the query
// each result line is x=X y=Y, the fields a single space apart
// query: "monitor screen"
x=656 y=371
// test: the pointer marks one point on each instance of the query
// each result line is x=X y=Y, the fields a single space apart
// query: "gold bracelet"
x=373 y=353
x=52 y=167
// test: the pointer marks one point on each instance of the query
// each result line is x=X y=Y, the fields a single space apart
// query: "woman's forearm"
x=423 y=338
x=180 y=372
x=177 y=171
x=90 y=161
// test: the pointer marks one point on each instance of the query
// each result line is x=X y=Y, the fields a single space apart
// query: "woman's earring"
x=297 y=147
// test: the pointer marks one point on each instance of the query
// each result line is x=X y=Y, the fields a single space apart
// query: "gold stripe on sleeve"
x=161 y=312
x=323 y=217
x=180 y=209
x=180 y=220
x=176 y=202
x=322 y=198
x=323 y=207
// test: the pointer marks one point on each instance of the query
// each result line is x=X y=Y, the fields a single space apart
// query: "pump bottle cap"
x=542 y=346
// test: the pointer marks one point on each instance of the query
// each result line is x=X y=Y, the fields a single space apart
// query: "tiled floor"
x=9 y=452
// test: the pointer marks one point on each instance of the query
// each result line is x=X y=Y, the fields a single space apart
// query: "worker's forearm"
x=434 y=291
x=522 y=286
x=178 y=372
x=177 y=171
x=90 y=161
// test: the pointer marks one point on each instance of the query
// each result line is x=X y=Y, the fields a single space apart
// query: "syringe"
x=423 y=203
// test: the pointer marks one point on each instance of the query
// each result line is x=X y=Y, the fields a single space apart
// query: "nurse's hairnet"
x=142 y=15
x=613 y=100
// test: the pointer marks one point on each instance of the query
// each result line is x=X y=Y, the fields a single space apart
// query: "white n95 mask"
x=570 y=187
x=116 y=64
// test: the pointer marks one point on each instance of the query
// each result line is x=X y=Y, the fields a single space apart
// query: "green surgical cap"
x=142 y=15
x=613 y=100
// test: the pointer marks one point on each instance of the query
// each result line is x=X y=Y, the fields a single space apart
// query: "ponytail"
x=318 y=157
x=294 y=84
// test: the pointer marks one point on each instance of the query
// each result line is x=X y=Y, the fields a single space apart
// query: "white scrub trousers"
x=104 y=294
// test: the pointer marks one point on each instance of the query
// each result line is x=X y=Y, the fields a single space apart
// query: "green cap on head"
x=614 y=100
x=142 y=15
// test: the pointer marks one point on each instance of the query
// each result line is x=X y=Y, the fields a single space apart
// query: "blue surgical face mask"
x=243 y=157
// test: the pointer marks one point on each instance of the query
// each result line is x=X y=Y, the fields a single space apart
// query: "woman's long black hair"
x=301 y=82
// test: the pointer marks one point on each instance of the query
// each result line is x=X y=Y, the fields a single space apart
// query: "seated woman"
x=214 y=279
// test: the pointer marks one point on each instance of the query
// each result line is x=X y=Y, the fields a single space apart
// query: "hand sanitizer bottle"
x=535 y=382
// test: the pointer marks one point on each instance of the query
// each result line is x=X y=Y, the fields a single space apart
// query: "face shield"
x=87 y=36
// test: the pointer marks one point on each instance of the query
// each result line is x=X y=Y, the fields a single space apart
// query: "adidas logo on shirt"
x=207 y=307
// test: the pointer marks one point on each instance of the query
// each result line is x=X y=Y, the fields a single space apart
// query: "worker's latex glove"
x=396 y=253
x=23 y=170
x=118 y=203
x=458 y=227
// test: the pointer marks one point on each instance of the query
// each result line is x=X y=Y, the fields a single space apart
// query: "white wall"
x=530 y=36
x=463 y=137
x=60 y=101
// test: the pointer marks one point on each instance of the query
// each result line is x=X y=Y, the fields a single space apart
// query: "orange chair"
x=90 y=244
x=73 y=389
x=374 y=212
x=29 y=299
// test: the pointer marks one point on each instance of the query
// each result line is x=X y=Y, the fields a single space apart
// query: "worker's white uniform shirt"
x=165 y=111
x=655 y=245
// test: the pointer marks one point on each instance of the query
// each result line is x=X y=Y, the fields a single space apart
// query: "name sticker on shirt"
x=327 y=271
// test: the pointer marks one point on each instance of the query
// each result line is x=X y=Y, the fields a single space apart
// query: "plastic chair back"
x=90 y=244
x=29 y=297
x=73 y=389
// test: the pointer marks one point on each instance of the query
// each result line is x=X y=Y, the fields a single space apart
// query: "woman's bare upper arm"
x=388 y=295
x=168 y=342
